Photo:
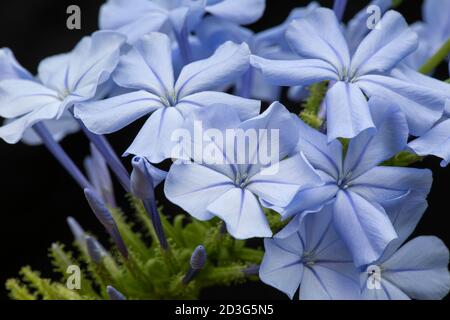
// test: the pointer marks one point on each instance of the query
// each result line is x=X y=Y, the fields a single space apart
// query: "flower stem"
x=339 y=8
x=58 y=152
x=436 y=59
x=150 y=207
x=110 y=156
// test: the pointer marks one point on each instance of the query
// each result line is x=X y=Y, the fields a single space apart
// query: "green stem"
x=436 y=59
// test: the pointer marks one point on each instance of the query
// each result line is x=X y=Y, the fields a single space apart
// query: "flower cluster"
x=202 y=81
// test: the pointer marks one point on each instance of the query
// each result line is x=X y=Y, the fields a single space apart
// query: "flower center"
x=308 y=259
x=241 y=180
x=170 y=100
x=63 y=94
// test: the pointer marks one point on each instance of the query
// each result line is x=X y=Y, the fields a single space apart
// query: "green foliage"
x=402 y=159
x=150 y=272
x=311 y=106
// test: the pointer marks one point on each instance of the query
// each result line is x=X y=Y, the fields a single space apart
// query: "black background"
x=36 y=193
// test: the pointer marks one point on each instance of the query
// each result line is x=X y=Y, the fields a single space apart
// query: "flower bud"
x=114 y=294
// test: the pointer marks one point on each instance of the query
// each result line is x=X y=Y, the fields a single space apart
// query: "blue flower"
x=232 y=187
x=147 y=68
x=325 y=56
x=314 y=259
x=139 y=17
x=433 y=32
x=355 y=185
x=10 y=69
x=63 y=80
x=415 y=270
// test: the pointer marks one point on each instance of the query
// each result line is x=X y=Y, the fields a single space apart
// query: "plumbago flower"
x=355 y=185
x=63 y=80
x=270 y=44
x=147 y=68
x=228 y=178
x=136 y=18
x=10 y=69
x=415 y=270
x=314 y=259
x=433 y=32
x=317 y=261
x=325 y=56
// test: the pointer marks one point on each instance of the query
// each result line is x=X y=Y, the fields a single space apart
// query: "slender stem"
x=110 y=156
x=150 y=207
x=339 y=8
x=436 y=59
x=58 y=152
x=251 y=270
x=184 y=46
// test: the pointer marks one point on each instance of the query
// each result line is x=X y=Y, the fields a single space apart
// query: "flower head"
x=63 y=81
x=326 y=56
x=356 y=185
x=147 y=69
x=235 y=165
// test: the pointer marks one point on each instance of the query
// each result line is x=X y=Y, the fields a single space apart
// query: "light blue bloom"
x=63 y=81
x=314 y=259
x=318 y=39
x=270 y=44
x=147 y=68
x=355 y=185
x=10 y=69
x=136 y=18
x=232 y=189
x=433 y=32
x=415 y=270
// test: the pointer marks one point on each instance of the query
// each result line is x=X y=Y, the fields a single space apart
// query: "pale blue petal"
x=405 y=214
x=110 y=115
x=242 y=213
x=148 y=66
x=237 y=11
x=408 y=74
x=281 y=267
x=319 y=36
x=52 y=71
x=228 y=63
x=155 y=140
x=324 y=156
x=14 y=130
x=193 y=187
x=92 y=62
x=435 y=142
x=245 y=108
x=371 y=148
x=59 y=129
x=132 y=20
x=420 y=269
x=389 y=183
x=348 y=111
x=385 y=47
x=330 y=281
x=293 y=72
x=387 y=291
x=365 y=229
x=277 y=138
x=18 y=97
x=10 y=68
x=279 y=183
x=422 y=106
x=357 y=27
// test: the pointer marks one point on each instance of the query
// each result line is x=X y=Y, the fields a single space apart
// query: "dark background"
x=36 y=193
